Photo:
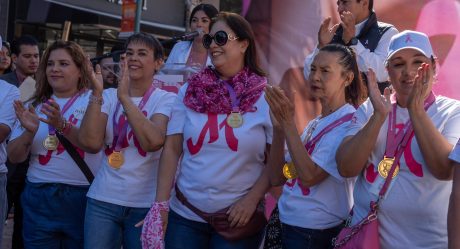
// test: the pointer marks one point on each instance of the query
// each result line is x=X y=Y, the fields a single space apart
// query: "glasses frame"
x=207 y=39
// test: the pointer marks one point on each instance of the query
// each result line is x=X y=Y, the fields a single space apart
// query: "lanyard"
x=120 y=129
x=68 y=104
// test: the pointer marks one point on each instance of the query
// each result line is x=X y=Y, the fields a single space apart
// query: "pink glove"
x=152 y=230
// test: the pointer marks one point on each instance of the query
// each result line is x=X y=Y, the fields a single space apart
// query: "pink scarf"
x=206 y=93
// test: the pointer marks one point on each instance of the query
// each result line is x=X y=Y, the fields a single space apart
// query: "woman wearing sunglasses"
x=315 y=199
x=221 y=126
x=192 y=53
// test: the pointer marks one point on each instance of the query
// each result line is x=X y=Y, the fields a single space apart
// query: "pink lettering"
x=213 y=128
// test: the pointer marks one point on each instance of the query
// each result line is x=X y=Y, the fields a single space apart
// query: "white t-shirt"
x=328 y=203
x=57 y=166
x=8 y=94
x=220 y=164
x=455 y=154
x=134 y=184
x=414 y=212
x=180 y=53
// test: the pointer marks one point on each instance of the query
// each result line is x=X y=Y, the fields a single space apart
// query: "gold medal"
x=116 y=159
x=51 y=142
x=385 y=167
x=289 y=171
x=235 y=119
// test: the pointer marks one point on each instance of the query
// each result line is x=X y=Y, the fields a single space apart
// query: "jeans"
x=109 y=226
x=297 y=237
x=182 y=233
x=53 y=215
x=3 y=204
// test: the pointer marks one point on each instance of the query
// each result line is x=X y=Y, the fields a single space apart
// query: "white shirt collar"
x=360 y=26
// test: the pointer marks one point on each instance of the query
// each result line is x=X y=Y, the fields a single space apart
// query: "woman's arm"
x=18 y=149
x=308 y=172
x=149 y=132
x=354 y=151
x=168 y=166
x=92 y=129
x=453 y=218
x=90 y=135
x=434 y=147
x=276 y=160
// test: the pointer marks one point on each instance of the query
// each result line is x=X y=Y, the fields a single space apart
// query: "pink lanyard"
x=394 y=139
x=310 y=146
x=120 y=129
x=68 y=104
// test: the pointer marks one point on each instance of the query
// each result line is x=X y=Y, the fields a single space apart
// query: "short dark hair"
x=208 y=9
x=148 y=40
x=243 y=31
x=371 y=5
x=356 y=92
x=23 y=40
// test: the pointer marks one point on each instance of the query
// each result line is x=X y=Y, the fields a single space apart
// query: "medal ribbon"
x=311 y=144
x=121 y=129
x=236 y=101
x=394 y=139
x=68 y=104
x=406 y=137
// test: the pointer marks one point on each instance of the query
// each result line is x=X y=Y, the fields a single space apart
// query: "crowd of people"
x=101 y=157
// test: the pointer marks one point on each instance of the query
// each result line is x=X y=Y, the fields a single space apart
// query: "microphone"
x=188 y=36
x=115 y=55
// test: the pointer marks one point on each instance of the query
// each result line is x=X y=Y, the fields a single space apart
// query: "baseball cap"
x=410 y=39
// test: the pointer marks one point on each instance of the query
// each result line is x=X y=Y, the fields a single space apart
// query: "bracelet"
x=96 y=99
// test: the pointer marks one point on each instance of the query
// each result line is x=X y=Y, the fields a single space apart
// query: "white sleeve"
x=178 y=113
x=451 y=130
x=360 y=118
x=110 y=100
x=165 y=104
x=375 y=60
x=308 y=61
x=455 y=154
x=7 y=114
x=324 y=153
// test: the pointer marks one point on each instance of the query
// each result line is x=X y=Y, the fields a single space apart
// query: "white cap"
x=410 y=39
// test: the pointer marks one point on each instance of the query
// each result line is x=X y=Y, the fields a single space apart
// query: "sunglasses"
x=220 y=38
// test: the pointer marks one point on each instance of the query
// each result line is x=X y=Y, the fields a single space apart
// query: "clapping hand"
x=381 y=104
x=421 y=88
x=281 y=108
x=96 y=77
x=27 y=116
x=326 y=33
x=348 y=25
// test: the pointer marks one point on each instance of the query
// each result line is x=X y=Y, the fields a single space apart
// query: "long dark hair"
x=43 y=90
x=243 y=31
x=208 y=9
x=356 y=92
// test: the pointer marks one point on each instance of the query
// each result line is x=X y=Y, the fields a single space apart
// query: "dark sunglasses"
x=220 y=38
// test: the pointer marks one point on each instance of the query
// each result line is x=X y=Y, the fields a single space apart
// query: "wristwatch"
x=352 y=42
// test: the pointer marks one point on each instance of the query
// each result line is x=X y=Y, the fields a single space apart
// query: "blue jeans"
x=297 y=237
x=182 y=233
x=109 y=226
x=53 y=215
